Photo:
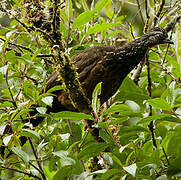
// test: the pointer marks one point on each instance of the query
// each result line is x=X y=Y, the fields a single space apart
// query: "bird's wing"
x=84 y=63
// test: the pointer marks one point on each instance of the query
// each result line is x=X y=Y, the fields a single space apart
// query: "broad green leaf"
x=91 y=150
x=108 y=9
x=172 y=94
x=131 y=169
x=114 y=121
x=159 y=118
x=64 y=159
x=55 y=88
x=2 y=129
x=100 y=28
x=63 y=29
x=95 y=99
x=134 y=128
x=130 y=91
x=126 y=138
x=159 y=104
x=48 y=173
x=113 y=33
x=41 y=110
x=106 y=137
x=100 y=5
x=117 y=108
x=122 y=148
x=48 y=100
x=72 y=115
x=23 y=155
x=155 y=157
x=41 y=145
x=174 y=167
x=116 y=159
x=64 y=173
x=110 y=174
x=68 y=9
x=21 y=112
x=83 y=18
x=7 y=139
x=31 y=133
x=35 y=54
x=4 y=69
x=61 y=153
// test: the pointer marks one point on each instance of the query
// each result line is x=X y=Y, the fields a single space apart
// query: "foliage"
x=60 y=147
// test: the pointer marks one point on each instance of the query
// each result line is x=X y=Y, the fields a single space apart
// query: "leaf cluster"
x=60 y=147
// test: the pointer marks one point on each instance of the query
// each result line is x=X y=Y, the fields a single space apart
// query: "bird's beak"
x=167 y=41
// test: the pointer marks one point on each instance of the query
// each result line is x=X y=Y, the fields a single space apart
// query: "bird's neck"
x=137 y=46
x=131 y=54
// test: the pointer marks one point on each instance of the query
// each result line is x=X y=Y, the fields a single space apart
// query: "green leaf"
x=130 y=91
x=48 y=173
x=159 y=104
x=2 y=128
x=23 y=155
x=100 y=5
x=35 y=54
x=21 y=112
x=106 y=137
x=41 y=110
x=72 y=115
x=131 y=169
x=134 y=128
x=92 y=150
x=174 y=168
x=55 y=88
x=48 y=100
x=30 y=133
x=155 y=157
x=116 y=159
x=110 y=174
x=82 y=19
x=4 y=69
x=117 y=108
x=63 y=173
x=68 y=9
x=64 y=159
x=100 y=28
x=172 y=94
x=95 y=100
x=7 y=139
x=159 y=118
x=63 y=29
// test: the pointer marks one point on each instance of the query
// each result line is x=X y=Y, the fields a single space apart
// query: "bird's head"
x=157 y=36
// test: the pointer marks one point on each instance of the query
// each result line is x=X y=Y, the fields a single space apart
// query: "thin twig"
x=22 y=172
x=165 y=155
x=151 y=125
x=159 y=13
x=146 y=8
x=9 y=89
x=36 y=157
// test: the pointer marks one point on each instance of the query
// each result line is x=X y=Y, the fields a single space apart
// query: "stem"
x=151 y=125
x=36 y=157
x=22 y=172
x=159 y=12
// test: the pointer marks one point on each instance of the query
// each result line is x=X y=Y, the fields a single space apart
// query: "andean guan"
x=106 y=64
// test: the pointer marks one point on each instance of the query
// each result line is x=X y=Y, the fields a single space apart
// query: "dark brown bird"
x=106 y=64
